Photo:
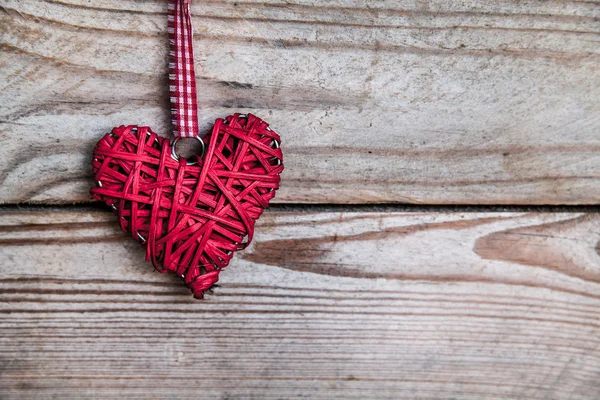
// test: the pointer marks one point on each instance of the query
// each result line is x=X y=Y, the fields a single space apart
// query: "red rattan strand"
x=190 y=218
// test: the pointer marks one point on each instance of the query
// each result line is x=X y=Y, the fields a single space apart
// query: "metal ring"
x=239 y=116
x=174 y=155
x=150 y=134
x=277 y=144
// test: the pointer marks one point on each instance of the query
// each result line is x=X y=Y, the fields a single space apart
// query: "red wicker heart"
x=190 y=218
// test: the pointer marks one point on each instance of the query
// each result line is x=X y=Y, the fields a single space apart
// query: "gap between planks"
x=368 y=207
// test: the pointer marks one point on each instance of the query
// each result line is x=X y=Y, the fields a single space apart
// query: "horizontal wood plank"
x=391 y=101
x=323 y=305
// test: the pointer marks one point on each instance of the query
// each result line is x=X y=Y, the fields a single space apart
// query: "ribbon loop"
x=182 y=79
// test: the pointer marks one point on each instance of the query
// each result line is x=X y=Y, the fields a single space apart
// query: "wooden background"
x=409 y=103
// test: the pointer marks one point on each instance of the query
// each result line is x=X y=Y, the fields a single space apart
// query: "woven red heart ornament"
x=190 y=215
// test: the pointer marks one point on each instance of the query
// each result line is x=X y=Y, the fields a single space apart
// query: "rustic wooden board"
x=389 y=101
x=322 y=305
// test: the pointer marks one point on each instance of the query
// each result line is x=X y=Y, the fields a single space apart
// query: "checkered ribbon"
x=182 y=80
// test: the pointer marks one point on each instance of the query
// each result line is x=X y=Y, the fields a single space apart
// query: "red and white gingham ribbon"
x=182 y=80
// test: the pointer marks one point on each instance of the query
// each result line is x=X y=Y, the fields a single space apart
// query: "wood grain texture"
x=377 y=101
x=322 y=305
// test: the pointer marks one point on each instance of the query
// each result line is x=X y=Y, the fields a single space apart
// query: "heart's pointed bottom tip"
x=201 y=284
x=190 y=216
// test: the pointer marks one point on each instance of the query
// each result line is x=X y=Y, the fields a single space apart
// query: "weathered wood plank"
x=389 y=101
x=323 y=305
